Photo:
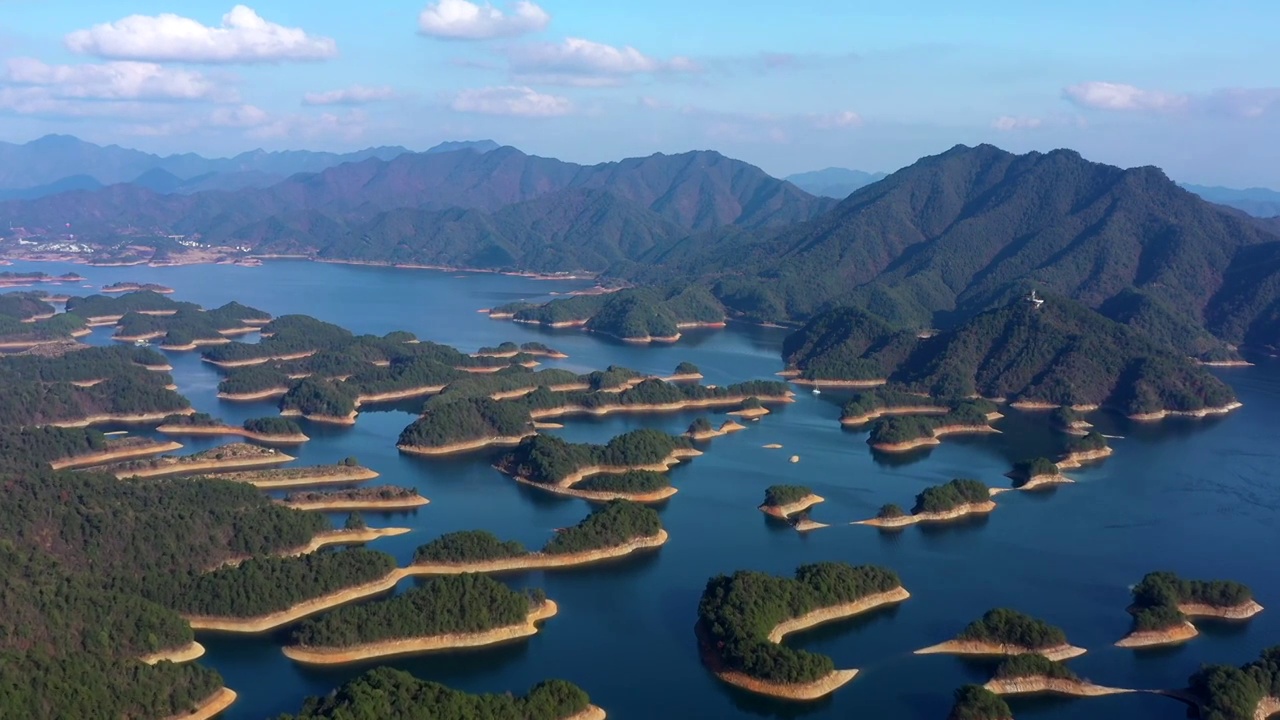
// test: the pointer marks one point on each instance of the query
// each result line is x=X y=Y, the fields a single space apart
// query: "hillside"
x=970 y=229
x=1060 y=353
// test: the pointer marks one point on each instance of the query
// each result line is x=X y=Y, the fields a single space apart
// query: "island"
x=743 y=618
x=269 y=430
x=1008 y=632
x=904 y=433
x=103 y=450
x=752 y=408
x=702 y=429
x=234 y=455
x=615 y=530
x=389 y=694
x=1090 y=447
x=383 y=497
x=106 y=310
x=444 y=613
x=783 y=501
x=958 y=498
x=1164 y=605
x=127 y=287
x=263 y=593
x=974 y=702
x=345 y=472
x=1031 y=674
x=1250 y=692
x=8 y=278
x=1035 y=474
x=870 y=405
x=1070 y=421
x=636 y=315
x=558 y=466
x=653 y=395
x=511 y=350
x=466 y=424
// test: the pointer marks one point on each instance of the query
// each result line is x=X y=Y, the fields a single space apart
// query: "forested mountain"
x=834 y=182
x=1059 y=353
x=1259 y=202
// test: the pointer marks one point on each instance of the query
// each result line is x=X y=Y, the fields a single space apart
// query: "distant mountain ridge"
x=1259 y=202
x=57 y=163
x=834 y=182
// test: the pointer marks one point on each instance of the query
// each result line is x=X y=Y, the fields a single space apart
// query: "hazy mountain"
x=66 y=184
x=1259 y=202
x=834 y=182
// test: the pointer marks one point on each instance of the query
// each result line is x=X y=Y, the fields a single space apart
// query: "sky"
x=1190 y=86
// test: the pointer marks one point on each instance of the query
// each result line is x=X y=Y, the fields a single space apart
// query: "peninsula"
x=109 y=450
x=1032 y=674
x=384 y=497
x=555 y=465
x=956 y=499
x=343 y=473
x=269 y=430
x=1164 y=606
x=614 y=530
x=235 y=455
x=509 y=350
x=1008 y=632
x=743 y=617
x=445 y=613
x=1035 y=474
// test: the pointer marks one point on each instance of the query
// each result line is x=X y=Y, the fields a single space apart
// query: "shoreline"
x=1175 y=635
x=123 y=419
x=567 y=482
x=461 y=447
x=878 y=413
x=856 y=384
x=1243 y=611
x=202 y=430
x=934 y=439
x=1056 y=653
x=541 y=561
x=136 y=287
x=271 y=621
x=806 y=692
x=654 y=408
x=836 y=613
x=348 y=419
x=185 y=653
x=249 y=362
x=725 y=428
x=1201 y=413
x=1078 y=459
x=407 y=503
x=603 y=496
x=1035 y=482
x=956 y=513
x=102 y=458
x=219 y=701
x=405 y=394
x=349 y=475
x=266 y=394
x=782 y=512
x=427 y=644
x=1039 y=684
x=194 y=344
x=206 y=465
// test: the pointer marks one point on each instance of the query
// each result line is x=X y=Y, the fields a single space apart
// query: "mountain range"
x=834 y=182
x=1259 y=202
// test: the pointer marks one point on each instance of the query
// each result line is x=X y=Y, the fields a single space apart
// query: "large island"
x=1164 y=606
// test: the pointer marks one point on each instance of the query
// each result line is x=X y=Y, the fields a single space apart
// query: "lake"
x=1198 y=497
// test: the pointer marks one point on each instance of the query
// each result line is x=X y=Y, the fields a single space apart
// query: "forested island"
x=873 y=404
x=383 y=497
x=270 y=430
x=702 y=429
x=742 y=619
x=783 y=501
x=1164 y=605
x=89 y=447
x=1252 y=691
x=1058 y=353
x=616 y=529
x=556 y=465
x=510 y=350
x=974 y=702
x=389 y=694
x=1036 y=473
x=640 y=315
x=127 y=287
x=1032 y=674
x=1008 y=632
x=235 y=455
x=444 y=613
x=956 y=499
x=345 y=472
x=1089 y=447
x=903 y=433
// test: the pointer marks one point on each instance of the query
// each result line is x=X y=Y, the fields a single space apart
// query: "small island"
x=956 y=499
x=235 y=455
x=871 y=405
x=556 y=465
x=743 y=618
x=974 y=702
x=1031 y=674
x=103 y=450
x=1034 y=474
x=345 y=472
x=1092 y=446
x=383 y=497
x=388 y=694
x=904 y=433
x=1250 y=692
x=1070 y=421
x=1008 y=632
x=783 y=501
x=635 y=315
x=1164 y=605
x=464 y=425
x=615 y=530
x=127 y=287
x=702 y=429
x=509 y=350
x=269 y=430
x=752 y=408
x=444 y=613
x=685 y=372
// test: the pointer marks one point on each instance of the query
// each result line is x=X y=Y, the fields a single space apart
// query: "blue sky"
x=869 y=84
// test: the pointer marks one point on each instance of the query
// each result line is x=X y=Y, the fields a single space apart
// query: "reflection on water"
x=1181 y=495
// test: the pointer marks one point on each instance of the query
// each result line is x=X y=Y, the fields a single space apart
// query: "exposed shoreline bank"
x=185 y=653
x=541 y=561
x=934 y=439
x=102 y=458
x=1056 y=653
x=207 y=430
x=220 y=700
x=956 y=513
x=783 y=512
x=462 y=447
x=299 y=477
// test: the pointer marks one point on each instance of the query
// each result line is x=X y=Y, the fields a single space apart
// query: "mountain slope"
x=834 y=182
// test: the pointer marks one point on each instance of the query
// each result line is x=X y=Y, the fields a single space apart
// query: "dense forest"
x=737 y=612
x=634 y=313
x=895 y=429
x=107 y=306
x=549 y=459
x=1230 y=693
x=948 y=497
x=388 y=694
x=1002 y=626
x=1032 y=665
x=974 y=702
x=886 y=397
x=1024 y=470
x=779 y=495
x=466 y=420
x=1157 y=596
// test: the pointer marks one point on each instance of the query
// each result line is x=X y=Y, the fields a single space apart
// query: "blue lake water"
x=1199 y=497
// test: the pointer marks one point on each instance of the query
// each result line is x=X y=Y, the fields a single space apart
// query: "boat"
x=816 y=391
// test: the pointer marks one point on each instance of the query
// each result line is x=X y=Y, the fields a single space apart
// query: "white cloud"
x=1118 y=96
x=511 y=100
x=38 y=101
x=114 y=81
x=836 y=120
x=463 y=20
x=575 y=61
x=354 y=95
x=243 y=37
x=1007 y=123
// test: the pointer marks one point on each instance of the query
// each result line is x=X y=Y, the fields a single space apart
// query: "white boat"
x=816 y=391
